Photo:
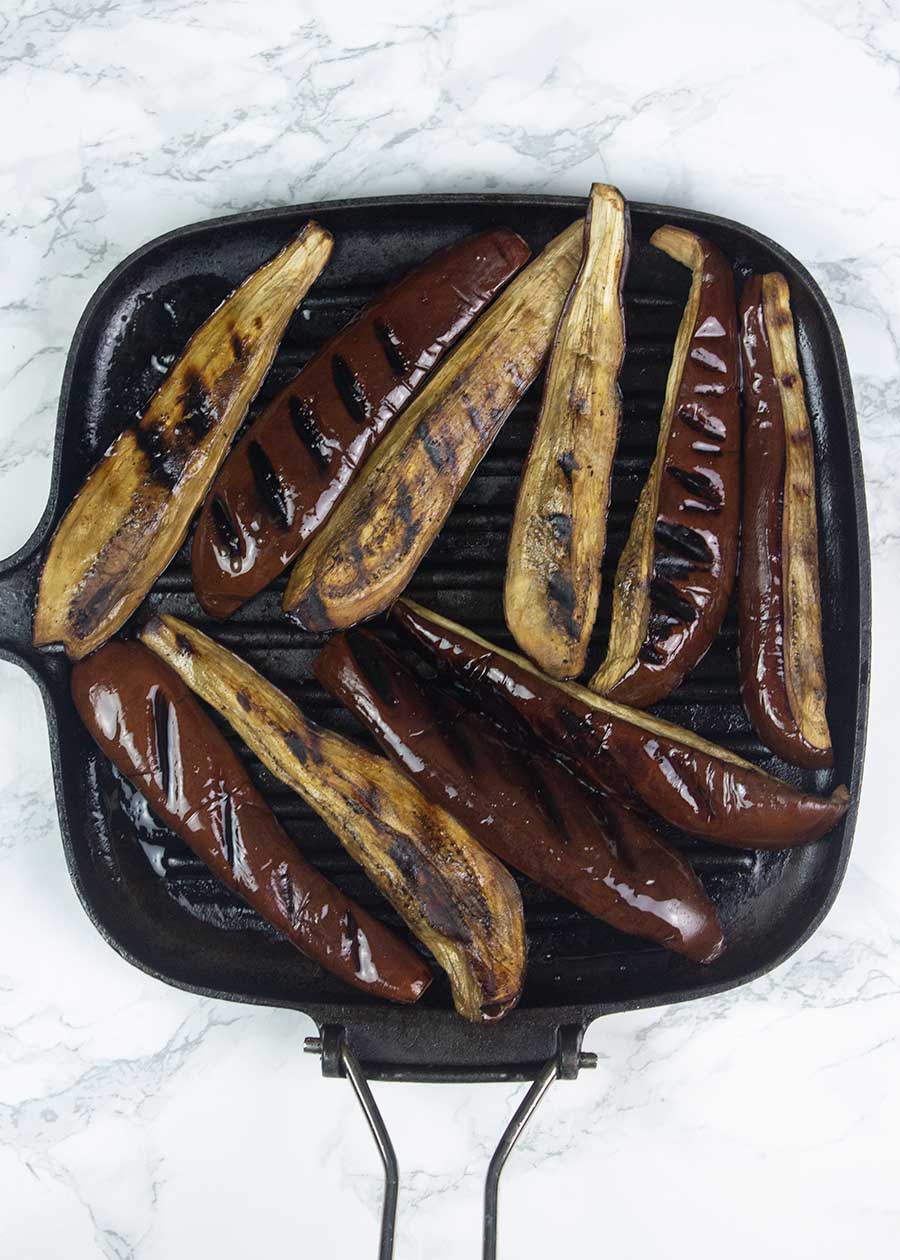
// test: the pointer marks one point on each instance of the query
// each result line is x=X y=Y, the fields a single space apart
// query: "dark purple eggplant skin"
x=720 y=798
x=524 y=806
x=156 y=734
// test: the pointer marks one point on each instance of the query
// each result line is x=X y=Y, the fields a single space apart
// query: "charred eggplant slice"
x=372 y=543
x=782 y=664
x=133 y=511
x=455 y=897
x=559 y=529
x=524 y=806
x=676 y=572
x=689 y=782
x=157 y=735
x=289 y=470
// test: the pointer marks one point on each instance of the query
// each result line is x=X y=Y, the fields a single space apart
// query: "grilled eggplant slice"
x=454 y=896
x=153 y=730
x=782 y=663
x=686 y=780
x=288 y=471
x=133 y=512
x=676 y=571
x=524 y=806
x=372 y=544
x=559 y=528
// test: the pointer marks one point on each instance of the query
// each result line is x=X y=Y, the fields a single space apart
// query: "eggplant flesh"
x=133 y=512
x=455 y=897
x=289 y=469
x=676 y=572
x=783 y=683
x=371 y=545
x=558 y=533
x=686 y=780
x=523 y=805
x=155 y=732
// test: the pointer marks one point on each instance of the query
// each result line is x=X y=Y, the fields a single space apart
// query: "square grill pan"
x=157 y=905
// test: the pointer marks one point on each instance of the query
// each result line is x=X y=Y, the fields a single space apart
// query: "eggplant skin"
x=288 y=471
x=765 y=545
x=689 y=782
x=134 y=510
x=453 y=895
x=526 y=807
x=371 y=545
x=558 y=533
x=676 y=572
x=151 y=728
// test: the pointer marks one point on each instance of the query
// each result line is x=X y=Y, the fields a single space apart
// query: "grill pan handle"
x=339 y=1060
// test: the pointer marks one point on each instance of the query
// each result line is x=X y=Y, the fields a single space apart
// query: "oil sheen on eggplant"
x=676 y=572
x=689 y=782
x=156 y=734
x=767 y=548
x=523 y=805
x=288 y=471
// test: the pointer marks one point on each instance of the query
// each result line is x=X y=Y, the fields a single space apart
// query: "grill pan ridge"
x=143 y=889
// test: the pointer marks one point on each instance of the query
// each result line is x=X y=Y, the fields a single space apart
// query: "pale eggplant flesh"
x=558 y=533
x=689 y=782
x=782 y=665
x=523 y=805
x=371 y=545
x=453 y=895
x=289 y=470
x=134 y=510
x=676 y=572
x=158 y=736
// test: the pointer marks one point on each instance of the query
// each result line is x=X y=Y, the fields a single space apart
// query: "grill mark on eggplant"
x=667 y=596
x=684 y=541
x=198 y=412
x=407 y=516
x=696 y=418
x=237 y=347
x=569 y=464
x=700 y=485
x=228 y=829
x=243 y=700
x=392 y=347
x=561 y=524
x=161 y=731
x=165 y=461
x=439 y=456
x=288 y=897
x=268 y=484
x=562 y=595
x=349 y=387
x=545 y=798
x=431 y=892
x=225 y=527
x=474 y=417
x=308 y=432
x=373 y=666
x=350 y=930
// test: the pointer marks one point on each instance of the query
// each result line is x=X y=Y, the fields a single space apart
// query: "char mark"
x=694 y=415
x=683 y=541
x=184 y=644
x=237 y=347
x=667 y=596
x=296 y=745
x=562 y=594
x=244 y=701
x=392 y=347
x=349 y=387
x=165 y=461
x=308 y=431
x=161 y=731
x=437 y=455
x=288 y=896
x=546 y=798
x=431 y=894
x=474 y=417
x=197 y=410
x=226 y=820
x=407 y=516
x=699 y=484
x=374 y=664
x=268 y=484
x=561 y=524
x=569 y=464
x=226 y=528
x=350 y=933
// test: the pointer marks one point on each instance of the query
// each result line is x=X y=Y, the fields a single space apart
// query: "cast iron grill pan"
x=144 y=890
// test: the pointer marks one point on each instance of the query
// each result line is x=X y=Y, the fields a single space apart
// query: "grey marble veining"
x=137 y=1122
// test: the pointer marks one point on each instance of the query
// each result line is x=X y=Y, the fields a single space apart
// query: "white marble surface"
x=139 y=1122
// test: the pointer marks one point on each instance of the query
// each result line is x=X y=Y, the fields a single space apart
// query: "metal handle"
x=332 y=1045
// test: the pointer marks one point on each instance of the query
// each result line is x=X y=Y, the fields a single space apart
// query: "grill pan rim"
x=384 y=1023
